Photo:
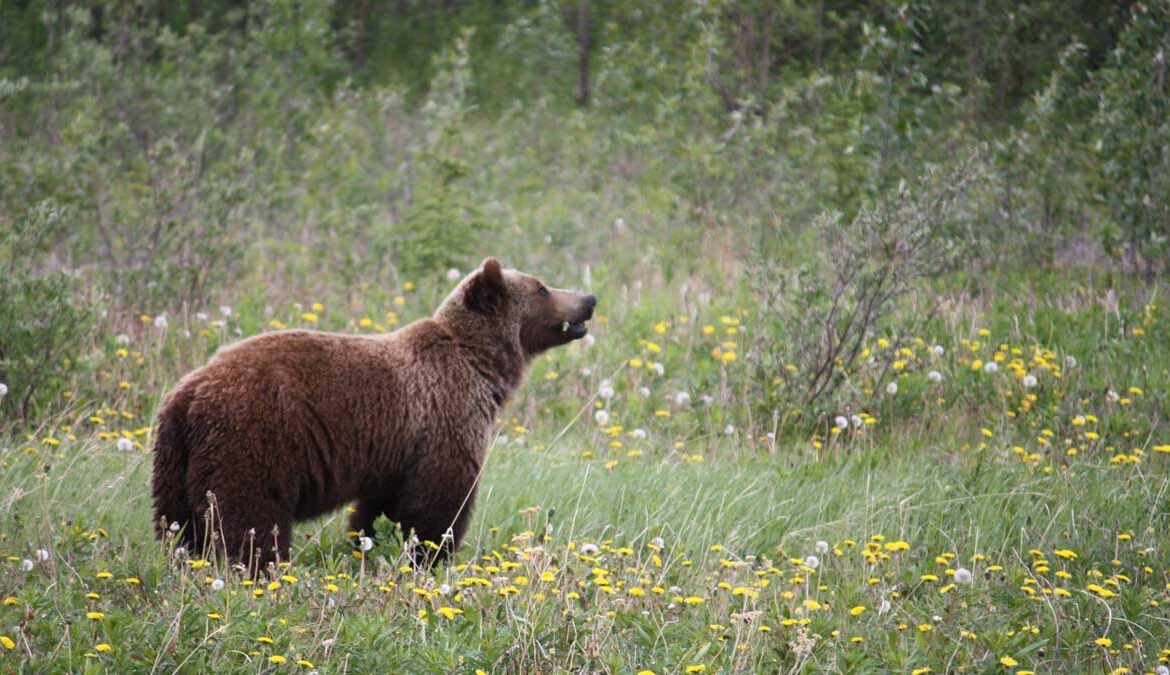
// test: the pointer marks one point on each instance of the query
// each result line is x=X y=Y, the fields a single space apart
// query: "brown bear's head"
x=517 y=308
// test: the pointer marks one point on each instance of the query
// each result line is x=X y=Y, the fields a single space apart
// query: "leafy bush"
x=43 y=321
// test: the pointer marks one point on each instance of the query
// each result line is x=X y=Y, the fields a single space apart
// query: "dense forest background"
x=164 y=157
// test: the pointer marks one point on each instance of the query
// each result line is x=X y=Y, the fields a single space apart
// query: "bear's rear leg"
x=256 y=536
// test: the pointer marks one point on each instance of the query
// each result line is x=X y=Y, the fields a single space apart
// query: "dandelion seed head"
x=217 y=585
x=201 y=316
x=605 y=390
x=884 y=606
x=589 y=549
x=812 y=561
x=125 y=444
x=822 y=547
x=991 y=367
x=589 y=340
x=1029 y=380
x=659 y=368
x=3 y=390
x=707 y=399
x=454 y=274
x=225 y=310
x=601 y=417
x=366 y=543
x=963 y=576
x=160 y=321
x=892 y=388
x=586 y=371
x=842 y=422
x=42 y=554
x=729 y=430
x=645 y=392
x=934 y=376
x=122 y=339
x=26 y=565
x=638 y=434
x=658 y=542
x=682 y=398
x=857 y=421
x=938 y=350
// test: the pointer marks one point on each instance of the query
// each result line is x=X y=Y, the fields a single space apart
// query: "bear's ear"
x=485 y=292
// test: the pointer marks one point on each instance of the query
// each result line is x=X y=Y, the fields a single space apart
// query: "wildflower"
x=938 y=350
x=7 y=642
x=217 y=585
x=95 y=616
x=638 y=434
x=1029 y=381
x=856 y=421
x=991 y=367
x=842 y=422
x=605 y=391
x=1103 y=642
x=26 y=565
x=658 y=368
x=450 y=613
x=125 y=444
x=276 y=659
x=856 y=611
x=454 y=274
x=160 y=321
x=812 y=561
x=892 y=388
x=1008 y=662
x=3 y=390
x=103 y=647
x=366 y=543
x=601 y=417
x=822 y=547
x=963 y=576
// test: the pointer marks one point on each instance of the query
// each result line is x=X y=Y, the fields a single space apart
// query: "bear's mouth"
x=575 y=330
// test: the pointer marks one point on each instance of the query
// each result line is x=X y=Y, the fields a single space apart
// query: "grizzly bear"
x=290 y=425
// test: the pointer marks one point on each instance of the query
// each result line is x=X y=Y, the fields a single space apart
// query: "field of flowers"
x=1002 y=507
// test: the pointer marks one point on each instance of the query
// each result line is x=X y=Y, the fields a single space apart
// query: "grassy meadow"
x=879 y=380
x=1003 y=510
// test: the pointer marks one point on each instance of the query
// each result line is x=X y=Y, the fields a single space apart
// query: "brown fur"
x=287 y=426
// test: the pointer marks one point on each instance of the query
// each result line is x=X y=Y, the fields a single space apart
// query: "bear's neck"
x=499 y=361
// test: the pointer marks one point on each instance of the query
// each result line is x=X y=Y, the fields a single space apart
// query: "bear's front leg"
x=438 y=513
x=367 y=510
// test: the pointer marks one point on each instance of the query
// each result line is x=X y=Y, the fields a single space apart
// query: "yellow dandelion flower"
x=1008 y=662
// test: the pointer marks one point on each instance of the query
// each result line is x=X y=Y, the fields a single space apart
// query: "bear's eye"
x=542 y=291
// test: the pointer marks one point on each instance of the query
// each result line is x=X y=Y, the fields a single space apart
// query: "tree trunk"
x=584 y=45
